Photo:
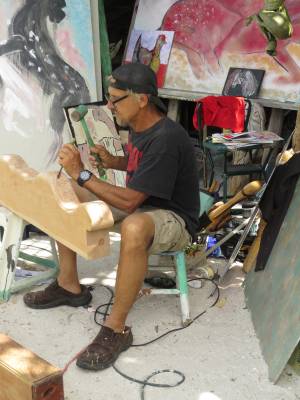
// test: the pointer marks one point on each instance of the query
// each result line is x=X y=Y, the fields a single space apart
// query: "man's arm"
x=108 y=160
x=125 y=199
x=119 y=163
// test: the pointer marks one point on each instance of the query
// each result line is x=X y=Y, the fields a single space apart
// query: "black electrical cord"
x=146 y=382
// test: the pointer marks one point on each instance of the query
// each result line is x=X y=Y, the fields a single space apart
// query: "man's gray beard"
x=121 y=123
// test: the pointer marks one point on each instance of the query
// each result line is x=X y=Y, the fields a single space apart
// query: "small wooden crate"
x=25 y=376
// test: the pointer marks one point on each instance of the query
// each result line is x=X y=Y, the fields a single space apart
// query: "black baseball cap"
x=140 y=79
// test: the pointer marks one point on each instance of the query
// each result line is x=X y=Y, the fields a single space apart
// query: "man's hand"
x=107 y=159
x=69 y=158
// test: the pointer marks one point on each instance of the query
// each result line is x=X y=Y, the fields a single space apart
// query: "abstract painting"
x=46 y=62
x=151 y=48
x=101 y=126
x=211 y=36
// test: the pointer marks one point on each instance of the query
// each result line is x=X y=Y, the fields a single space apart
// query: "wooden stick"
x=249 y=190
x=254 y=248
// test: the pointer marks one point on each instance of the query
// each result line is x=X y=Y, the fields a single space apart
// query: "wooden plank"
x=52 y=205
x=276 y=121
x=273 y=295
x=26 y=376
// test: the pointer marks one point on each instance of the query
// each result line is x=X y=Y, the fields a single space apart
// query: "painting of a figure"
x=212 y=35
x=101 y=126
x=151 y=48
x=46 y=63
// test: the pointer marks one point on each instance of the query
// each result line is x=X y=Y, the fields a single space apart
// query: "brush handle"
x=61 y=168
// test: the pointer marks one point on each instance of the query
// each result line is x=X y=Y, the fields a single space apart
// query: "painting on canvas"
x=211 y=36
x=46 y=62
x=101 y=126
x=243 y=82
x=151 y=48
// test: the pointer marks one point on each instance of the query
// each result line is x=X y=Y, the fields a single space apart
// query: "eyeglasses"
x=114 y=100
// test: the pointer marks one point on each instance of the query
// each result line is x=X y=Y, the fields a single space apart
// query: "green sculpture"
x=275 y=23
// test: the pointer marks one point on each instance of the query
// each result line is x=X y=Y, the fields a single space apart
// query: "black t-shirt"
x=162 y=164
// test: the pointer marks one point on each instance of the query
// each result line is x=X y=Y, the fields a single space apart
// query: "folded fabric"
x=222 y=111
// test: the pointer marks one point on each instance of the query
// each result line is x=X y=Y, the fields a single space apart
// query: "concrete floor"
x=219 y=354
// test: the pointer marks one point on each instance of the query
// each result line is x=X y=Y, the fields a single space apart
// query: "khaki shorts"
x=170 y=231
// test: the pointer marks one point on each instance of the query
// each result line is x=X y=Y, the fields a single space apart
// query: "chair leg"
x=54 y=253
x=183 y=287
x=204 y=169
x=225 y=177
x=212 y=171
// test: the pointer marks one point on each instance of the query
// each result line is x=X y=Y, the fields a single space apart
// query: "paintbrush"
x=61 y=168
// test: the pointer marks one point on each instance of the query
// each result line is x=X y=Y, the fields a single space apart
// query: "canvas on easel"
x=101 y=126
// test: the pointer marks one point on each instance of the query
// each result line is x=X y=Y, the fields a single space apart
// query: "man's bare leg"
x=68 y=276
x=137 y=232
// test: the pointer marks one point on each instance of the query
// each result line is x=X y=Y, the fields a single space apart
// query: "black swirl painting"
x=46 y=63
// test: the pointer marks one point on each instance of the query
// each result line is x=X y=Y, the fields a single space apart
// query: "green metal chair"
x=206 y=201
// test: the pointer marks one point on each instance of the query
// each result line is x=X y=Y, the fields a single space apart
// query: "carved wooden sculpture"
x=51 y=205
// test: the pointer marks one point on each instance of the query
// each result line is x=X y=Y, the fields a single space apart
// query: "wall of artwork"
x=211 y=36
x=46 y=62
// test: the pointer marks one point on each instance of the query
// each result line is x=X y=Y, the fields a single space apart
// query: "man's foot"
x=105 y=349
x=54 y=296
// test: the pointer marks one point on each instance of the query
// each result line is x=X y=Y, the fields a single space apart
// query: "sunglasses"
x=113 y=100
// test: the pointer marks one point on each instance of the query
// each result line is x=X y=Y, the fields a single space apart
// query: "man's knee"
x=137 y=230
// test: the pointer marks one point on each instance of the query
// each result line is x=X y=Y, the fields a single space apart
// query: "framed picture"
x=243 y=82
x=151 y=48
x=101 y=126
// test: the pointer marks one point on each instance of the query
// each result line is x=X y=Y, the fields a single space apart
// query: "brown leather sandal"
x=54 y=296
x=105 y=349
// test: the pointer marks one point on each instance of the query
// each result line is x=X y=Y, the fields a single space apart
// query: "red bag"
x=222 y=111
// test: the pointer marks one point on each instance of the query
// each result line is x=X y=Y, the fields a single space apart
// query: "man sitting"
x=161 y=199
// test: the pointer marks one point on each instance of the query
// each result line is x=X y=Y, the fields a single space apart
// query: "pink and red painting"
x=151 y=48
x=211 y=36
